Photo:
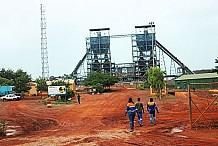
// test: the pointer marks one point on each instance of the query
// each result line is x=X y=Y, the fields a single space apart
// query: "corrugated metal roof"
x=197 y=76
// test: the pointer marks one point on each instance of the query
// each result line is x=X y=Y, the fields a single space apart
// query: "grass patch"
x=168 y=96
x=62 y=102
x=58 y=101
x=140 y=87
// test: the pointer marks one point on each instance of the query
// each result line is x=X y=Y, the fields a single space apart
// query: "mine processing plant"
x=146 y=52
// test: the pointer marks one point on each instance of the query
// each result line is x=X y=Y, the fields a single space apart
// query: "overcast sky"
x=187 y=28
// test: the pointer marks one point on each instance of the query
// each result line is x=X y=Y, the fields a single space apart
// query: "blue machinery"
x=144 y=55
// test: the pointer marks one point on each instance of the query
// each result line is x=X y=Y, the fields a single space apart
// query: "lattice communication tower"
x=44 y=49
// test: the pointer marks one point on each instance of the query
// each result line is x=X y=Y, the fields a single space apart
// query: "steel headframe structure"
x=98 y=51
x=44 y=49
x=145 y=54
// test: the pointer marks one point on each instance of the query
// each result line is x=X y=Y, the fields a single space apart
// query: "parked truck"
x=10 y=97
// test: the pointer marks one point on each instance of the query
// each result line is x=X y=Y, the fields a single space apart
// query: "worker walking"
x=151 y=107
x=78 y=98
x=131 y=110
x=139 y=111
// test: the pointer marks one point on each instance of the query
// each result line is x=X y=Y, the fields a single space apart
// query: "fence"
x=203 y=105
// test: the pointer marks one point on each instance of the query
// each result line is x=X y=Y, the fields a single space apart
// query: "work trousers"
x=131 y=120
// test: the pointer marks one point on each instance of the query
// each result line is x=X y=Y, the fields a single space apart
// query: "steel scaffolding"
x=144 y=52
x=98 y=51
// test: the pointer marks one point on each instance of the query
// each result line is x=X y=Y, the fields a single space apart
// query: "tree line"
x=19 y=79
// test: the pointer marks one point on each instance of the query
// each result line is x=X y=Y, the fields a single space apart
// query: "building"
x=4 y=90
x=183 y=81
x=33 y=89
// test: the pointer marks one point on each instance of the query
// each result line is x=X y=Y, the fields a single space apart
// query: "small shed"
x=183 y=81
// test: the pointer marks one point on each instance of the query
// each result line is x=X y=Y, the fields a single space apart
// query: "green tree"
x=6 y=82
x=69 y=93
x=156 y=79
x=21 y=81
x=99 y=87
x=41 y=84
x=99 y=80
x=60 y=83
x=7 y=74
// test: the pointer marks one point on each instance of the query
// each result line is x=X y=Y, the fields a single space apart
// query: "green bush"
x=99 y=87
x=70 y=93
x=62 y=102
x=147 y=85
x=3 y=125
x=140 y=87
x=47 y=99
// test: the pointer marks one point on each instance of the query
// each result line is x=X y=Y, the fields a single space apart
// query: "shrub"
x=147 y=85
x=140 y=87
x=3 y=125
x=62 y=102
x=99 y=87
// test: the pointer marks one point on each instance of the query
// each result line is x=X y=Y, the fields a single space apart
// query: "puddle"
x=13 y=126
x=11 y=130
x=9 y=134
x=182 y=136
x=176 y=130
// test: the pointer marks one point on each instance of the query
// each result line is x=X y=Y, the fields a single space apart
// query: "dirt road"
x=99 y=121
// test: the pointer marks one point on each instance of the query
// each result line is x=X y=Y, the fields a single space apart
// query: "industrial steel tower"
x=144 y=52
x=98 y=51
x=44 y=50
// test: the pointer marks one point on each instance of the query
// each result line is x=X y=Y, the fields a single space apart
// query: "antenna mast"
x=44 y=50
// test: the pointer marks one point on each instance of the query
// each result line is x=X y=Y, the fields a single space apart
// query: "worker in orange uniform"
x=131 y=110
x=151 y=107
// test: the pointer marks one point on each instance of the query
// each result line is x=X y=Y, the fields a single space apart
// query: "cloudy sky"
x=187 y=28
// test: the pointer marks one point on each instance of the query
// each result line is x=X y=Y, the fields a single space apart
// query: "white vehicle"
x=10 y=97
